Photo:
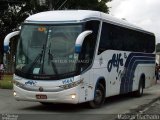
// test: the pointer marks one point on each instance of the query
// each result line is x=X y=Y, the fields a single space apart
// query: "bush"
x=6 y=82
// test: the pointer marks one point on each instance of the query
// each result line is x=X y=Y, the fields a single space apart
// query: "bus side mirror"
x=80 y=39
x=7 y=40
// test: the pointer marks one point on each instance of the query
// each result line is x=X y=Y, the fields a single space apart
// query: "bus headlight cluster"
x=17 y=83
x=71 y=85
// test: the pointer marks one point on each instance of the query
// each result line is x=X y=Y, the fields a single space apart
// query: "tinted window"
x=106 y=38
x=118 y=38
x=89 y=43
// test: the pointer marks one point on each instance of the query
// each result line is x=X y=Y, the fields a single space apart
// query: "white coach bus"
x=77 y=56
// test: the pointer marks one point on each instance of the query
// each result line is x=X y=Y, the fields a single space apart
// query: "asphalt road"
x=113 y=106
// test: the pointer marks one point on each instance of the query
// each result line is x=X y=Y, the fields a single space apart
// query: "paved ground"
x=149 y=112
x=113 y=106
x=154 y=108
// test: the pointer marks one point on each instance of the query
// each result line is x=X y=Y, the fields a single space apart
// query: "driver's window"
x=89 y=44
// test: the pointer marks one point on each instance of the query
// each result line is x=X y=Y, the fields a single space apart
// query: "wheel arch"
x=102 y=81
x=100 y=85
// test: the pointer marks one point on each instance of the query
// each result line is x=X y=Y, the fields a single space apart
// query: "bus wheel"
x=99 y=97
x=139 y=92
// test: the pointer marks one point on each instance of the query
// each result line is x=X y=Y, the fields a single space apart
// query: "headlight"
x=14 y=93
x=73 y=96
x=17 y=83
x=71 y=85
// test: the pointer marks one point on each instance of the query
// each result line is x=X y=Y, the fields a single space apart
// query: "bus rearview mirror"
x=80 y=39
x=7 y=40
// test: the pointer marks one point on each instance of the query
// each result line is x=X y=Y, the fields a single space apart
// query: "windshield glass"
x=47 y=50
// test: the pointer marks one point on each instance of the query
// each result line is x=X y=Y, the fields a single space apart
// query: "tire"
x=139 y=92
x=99 y=97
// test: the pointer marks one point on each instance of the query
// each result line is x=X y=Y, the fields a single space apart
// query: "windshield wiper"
x=50 y=58
x=39 y=57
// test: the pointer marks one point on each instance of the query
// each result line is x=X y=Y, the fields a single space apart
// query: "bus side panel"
x=149 y=72
x=110 y=65
x=98 y=74
x=86 y=92
x=131 y=76
x=121 y=72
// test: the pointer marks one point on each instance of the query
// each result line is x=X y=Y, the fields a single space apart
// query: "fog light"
x=73 y=96
x=14 y=93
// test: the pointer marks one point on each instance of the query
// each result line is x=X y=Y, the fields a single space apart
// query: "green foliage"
x=13 y=15
x=87 y=5
x=16 y=13
x=6 y=82
x=99 y=5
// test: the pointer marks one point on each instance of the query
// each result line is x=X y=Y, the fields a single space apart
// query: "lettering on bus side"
x=67 y=81
x=115 y=62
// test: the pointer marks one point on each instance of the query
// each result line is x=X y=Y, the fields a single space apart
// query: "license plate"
x=41 y=96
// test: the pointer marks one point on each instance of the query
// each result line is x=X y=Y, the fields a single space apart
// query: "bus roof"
x=78 y=15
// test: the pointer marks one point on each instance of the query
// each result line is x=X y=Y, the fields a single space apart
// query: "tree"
x=14 y=12
x=99 y=5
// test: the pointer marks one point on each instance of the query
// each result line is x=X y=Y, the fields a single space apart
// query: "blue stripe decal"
x=133 y=60
x=137 y=54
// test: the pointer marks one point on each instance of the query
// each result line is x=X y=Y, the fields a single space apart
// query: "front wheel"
x=99 y=97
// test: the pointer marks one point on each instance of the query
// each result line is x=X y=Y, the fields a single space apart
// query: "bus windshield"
x=47 y=49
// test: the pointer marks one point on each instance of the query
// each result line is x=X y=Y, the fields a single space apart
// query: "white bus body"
x=114 y=68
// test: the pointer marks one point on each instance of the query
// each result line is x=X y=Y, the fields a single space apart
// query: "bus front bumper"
x=65 y=96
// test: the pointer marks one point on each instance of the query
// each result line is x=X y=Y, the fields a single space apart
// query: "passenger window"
x=115 y=37
x=105 y=39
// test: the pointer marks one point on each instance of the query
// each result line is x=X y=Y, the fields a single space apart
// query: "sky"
x=142 y=13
